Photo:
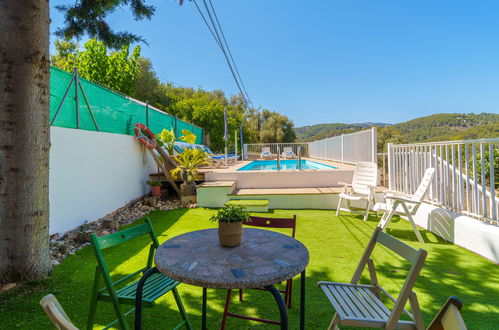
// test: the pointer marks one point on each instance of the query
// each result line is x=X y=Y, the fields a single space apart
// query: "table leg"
x=203 y=313
x=282 y=306
x=138 y=296
x=302 y=300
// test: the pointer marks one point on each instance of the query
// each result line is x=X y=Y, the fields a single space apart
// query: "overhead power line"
x=228 y=50
x=215 y=28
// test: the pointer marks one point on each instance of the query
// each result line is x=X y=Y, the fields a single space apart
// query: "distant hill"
x=322 y=131
x=438 y=127
x=450 y=126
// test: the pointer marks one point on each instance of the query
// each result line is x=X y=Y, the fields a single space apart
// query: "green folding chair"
x=121 y=292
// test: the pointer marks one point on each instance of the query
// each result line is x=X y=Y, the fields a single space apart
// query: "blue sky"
x=333 y=60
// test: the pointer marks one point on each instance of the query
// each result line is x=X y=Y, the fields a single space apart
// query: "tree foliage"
x=205 y=109
x=116 y=70
x=276 y=128
x=389 y=134
x=88 y=17
x=449 y=126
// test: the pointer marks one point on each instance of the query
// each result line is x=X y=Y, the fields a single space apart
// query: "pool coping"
x=234 y=168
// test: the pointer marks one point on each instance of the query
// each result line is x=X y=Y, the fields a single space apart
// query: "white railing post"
x=374 y=144
x=492 y=182
x=390 y=166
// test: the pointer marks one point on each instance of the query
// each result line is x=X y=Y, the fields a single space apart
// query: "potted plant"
x=230 y=224
x=155 y=187
x=189 y=162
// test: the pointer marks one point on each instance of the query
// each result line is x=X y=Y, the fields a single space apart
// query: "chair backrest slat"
x=452 y=319
x=405 y=251
x=272 y=223
x=406 y=290
x=449 y=317
x=364 y=176
x=288 y=150
x=424 y=186
x=266 y=150
x=123 y=236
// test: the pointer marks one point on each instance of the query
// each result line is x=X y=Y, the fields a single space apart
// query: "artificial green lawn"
x=335 y=245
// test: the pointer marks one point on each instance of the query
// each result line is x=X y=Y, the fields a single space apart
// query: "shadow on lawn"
x=445 y=273
x=261 y=304
x=398 y=228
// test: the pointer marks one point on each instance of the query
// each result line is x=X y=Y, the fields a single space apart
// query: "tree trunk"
x=24 y=139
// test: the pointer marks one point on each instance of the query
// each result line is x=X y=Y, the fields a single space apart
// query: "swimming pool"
x=289 y=164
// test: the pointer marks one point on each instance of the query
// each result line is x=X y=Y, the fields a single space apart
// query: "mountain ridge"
x=441 y=126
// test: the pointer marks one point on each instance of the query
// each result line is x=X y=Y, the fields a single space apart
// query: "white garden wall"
x=93 y=174
x=474 y=235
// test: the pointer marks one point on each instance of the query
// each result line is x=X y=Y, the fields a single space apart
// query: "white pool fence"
x=465 y=179
x=347 y=148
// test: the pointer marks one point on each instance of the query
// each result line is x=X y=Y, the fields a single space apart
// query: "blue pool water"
x=289 y=164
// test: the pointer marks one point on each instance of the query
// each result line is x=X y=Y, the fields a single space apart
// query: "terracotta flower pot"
x=156 y=190
x=230 y=234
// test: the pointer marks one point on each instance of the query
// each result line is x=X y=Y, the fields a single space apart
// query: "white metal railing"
x=383 y=168
x=465 y=177
x=253 y=150
x=347 y=148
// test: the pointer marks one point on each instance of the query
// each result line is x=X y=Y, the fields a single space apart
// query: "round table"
x=264 y=258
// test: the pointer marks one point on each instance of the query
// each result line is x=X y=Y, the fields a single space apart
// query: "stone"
x=108 y=223
x=188 y=199
x=54 y=262
x=111 y=224
x=8 y=286
x=82 y=237
x=151 y=201
x=63 y=248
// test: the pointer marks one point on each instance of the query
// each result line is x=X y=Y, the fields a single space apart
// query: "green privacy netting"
x=113 y=112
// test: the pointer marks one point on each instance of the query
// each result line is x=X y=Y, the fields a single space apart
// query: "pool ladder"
x=299 y=165
x=299 y=158
x=278 y=158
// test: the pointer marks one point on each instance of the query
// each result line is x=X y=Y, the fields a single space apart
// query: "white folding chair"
x=362 y=305
x=362 y=188
x=404 y=205
x=55 y=313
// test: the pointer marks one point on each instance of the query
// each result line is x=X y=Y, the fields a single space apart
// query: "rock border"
x=78 y=238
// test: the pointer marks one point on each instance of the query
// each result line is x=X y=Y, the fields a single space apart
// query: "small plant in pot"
x=155 y=187
x=189 y=162
x=230 y=224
